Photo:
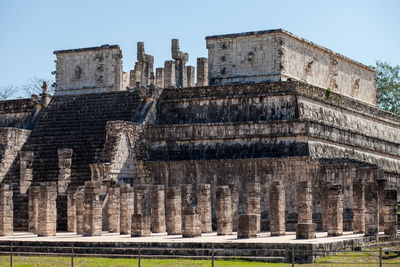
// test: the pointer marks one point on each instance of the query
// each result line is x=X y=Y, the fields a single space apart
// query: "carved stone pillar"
x=33 y=209
x=223 y=208
x=305 y=228
x=390 y=212
x=80 y=209
x=6 y=210
x=359 y=206
x=247 y=226
x=71 y=210
x=277 y=208
x=335 y=210
x=92 y=216
x=190 y=76
x=169 y=74
x=253 y=201
x=126 y=208
x=157 y=209
x=204 y=203
x=234 y=205
x=371 y=209
x=160 y=77
x=140 y=225
x=25 y=170
x=64 y=169
x=113 y=209
x=202 y=71
x=186 y=194
x=47 y=221
x=142 y=199
x=191 y=224
x=173 y=211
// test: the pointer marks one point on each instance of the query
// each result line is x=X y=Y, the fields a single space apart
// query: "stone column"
x=204 y=203
x=169 y=74
x=126 y=208
x=202 y=71
x=359 y=206
x=180 y=60
x=190 y=76
x=47 y=209
x=371 y=209
x=234 y=205
x=33 y=209
x=305 y=228
x=140 y=225
x=173 y=211
x=191 y=223
x=381 y=200
x=6 y=210
x=160 y=77
x=71 y=210
x=142 y=199
x=335 y=210
x=186 y=194
x=247 y=226
x=80 y=209
x=390 y=212
x=64 y=169
x=224 y=213
x=25 y=170
x=277 y=208
x=113 y=209
x=253 y=201
x=93 y=209
x=324 y=205
x=157 y=209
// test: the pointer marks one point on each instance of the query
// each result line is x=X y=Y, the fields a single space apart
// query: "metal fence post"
x=292 y=257
x=11 y=253
x=212 y=255
x=139 y=256
x=380 y=257
x=72 y=255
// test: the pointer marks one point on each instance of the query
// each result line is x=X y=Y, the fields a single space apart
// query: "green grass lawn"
x=344 y=259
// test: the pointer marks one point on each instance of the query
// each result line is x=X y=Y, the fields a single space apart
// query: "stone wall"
x=277 y=55
x=89 y=70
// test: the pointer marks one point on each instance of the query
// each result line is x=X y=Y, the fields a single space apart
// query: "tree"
x=388 y=86
x=34 y=87
x=6 y=92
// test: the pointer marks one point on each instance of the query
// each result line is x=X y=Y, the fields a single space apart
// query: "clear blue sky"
x=31 y=30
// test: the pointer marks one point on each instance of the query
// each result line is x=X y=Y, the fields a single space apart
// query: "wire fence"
x=292 y=257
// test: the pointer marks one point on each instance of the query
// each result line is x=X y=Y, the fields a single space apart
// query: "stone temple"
x=271 y=132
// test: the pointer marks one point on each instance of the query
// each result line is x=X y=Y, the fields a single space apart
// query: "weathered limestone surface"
x=142 y=199
x=290 y=57
x=390 y=211
x=371 y=209
x=191 y=223
x=277 y=208
x=335 y=210
x=247 y=226
x=158 y=209
x=223 y=210
x=113 y=209
x=382 y=185
x=180 y=60
x=173 y=211
x=126 y=208
x=33 y=209
x=6 y=210
x=140 y=225
x=235 y=205
x=89 y=70
x=93 y=209
x=305 y=228
x=47 y=220
x=202 y=71
x=186 y=195
x=25 y=170
x=203 y=194
x=190 y=76
x=160 y=77
x=71 y=210
x=253 y=199
x=169 y=73
x=359 y=206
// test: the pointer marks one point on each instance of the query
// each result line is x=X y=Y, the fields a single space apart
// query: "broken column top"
x=142 y=56
x=177 y=54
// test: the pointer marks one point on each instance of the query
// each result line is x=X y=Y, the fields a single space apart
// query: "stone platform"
x=160 y=245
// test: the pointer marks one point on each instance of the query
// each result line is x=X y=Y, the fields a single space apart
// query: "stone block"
x=371 y=209
x=306 y=231
x=80 y=209
x=190 y=76
x=202 y=71
x=204 y=203
x=359 y=206
x=142 y=199
x=247 y=226
x=47 y=220
x=6 y=210
x=253 y=201
x=113 y=209
x=160 y=77
x=173 y=211
x=223 y=210
x=126 y=208
x=71 y=210
x=92 y=216
x=335 y=210
x=390 y=211
x=33 y=209
x=234 y=205
x=140 y=225
x=191 y=223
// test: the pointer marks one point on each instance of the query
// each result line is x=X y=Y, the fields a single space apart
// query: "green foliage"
x=328 y=92
x=388 y=86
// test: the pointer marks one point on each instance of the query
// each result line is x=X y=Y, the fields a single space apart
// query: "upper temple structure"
x=271 y=132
